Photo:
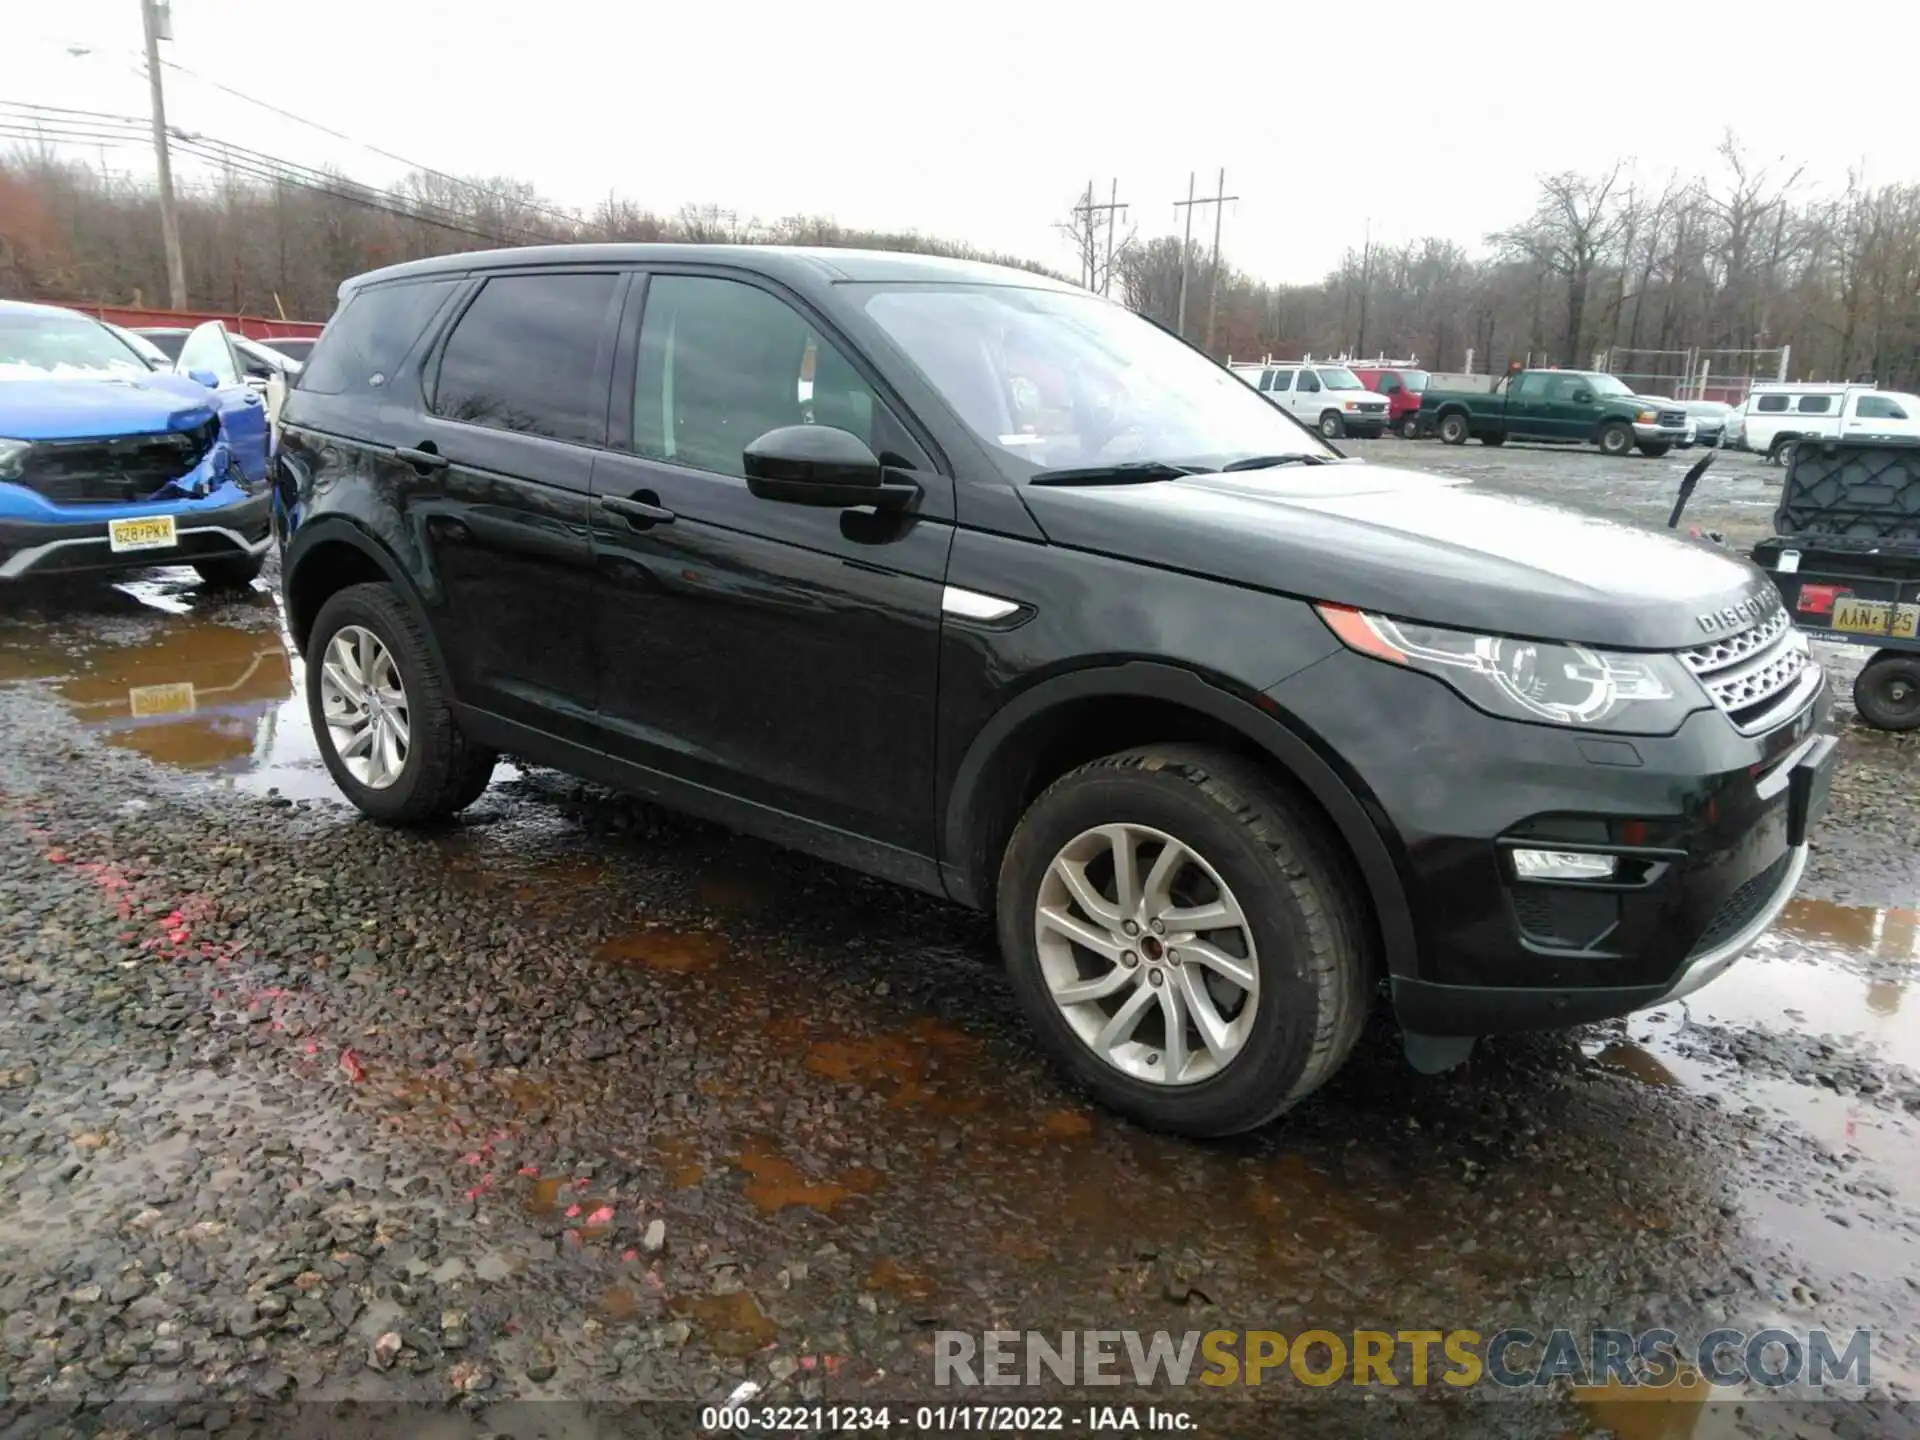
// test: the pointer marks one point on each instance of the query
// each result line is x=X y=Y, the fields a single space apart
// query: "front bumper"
x=70 y=539
x=1703 y=820
x=1661 y=434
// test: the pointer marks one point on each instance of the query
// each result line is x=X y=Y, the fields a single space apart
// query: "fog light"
x=1562 y=865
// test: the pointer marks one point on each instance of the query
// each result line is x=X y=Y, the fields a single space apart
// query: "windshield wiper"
x=1267 y=462
x=1131 y=472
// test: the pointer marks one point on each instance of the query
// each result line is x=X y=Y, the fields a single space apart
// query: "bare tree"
x=1571 y=233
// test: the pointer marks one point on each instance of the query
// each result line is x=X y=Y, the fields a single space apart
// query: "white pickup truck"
x=1776 y=417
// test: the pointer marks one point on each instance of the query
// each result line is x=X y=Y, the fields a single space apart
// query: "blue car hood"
x=81 y=409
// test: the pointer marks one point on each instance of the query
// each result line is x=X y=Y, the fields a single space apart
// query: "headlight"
x=13 y=458
x=1648 y=417
x=1530 y=679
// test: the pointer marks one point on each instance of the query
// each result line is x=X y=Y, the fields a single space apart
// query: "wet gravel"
x=577 y=1101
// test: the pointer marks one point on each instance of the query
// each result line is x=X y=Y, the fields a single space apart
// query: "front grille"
x=1673 y=419
x=1373 y=407
x=1758 y=677
x=1745 y=903
x=116 y=470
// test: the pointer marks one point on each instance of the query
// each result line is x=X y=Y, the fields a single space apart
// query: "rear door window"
x=367 y=339
x=523 y=356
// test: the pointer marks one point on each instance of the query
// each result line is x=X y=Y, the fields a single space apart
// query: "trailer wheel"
x=1887 y=691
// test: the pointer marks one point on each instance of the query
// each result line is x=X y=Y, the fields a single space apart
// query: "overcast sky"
x=982 y=120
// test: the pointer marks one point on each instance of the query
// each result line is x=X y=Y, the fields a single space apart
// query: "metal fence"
x=1695 y=373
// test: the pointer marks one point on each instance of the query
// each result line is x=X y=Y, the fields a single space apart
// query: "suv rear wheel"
x=378 y=705
x=1183 y=939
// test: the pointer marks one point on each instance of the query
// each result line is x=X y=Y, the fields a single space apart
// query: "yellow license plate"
x=147 y=532
x=145 y=700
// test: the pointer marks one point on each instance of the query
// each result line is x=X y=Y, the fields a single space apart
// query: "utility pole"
x=1219 y=198
x=154 y=20
x=1366 y=286
x=1093 y=271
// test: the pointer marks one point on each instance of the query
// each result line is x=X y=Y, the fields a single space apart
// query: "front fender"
x=311 y=544
x=963 y=872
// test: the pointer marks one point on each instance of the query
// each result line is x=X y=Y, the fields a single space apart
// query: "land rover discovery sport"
x=980 y=583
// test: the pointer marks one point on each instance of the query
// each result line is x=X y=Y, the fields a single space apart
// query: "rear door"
x=498 y=457
x=781 y=655
x=206 y=354
x=1529 y=405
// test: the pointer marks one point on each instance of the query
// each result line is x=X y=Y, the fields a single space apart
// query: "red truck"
x=1402 y=383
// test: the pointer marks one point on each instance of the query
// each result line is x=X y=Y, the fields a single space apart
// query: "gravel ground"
x=575 y=1101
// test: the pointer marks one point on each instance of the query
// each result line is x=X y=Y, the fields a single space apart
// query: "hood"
x=82 y=409
x=1418 y=547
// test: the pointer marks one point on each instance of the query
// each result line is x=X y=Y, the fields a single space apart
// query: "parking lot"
x=579 y=1100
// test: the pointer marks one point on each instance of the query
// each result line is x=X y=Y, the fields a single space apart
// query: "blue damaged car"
x=107 y=463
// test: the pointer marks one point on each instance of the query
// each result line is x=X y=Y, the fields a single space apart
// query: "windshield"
x=52 y=345
x=1338 y=377
x=1607 y=385
x=1054 y=380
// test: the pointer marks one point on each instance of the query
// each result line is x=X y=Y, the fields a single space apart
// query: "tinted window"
x=1266 y=379
x=721 y=363
x=1572 y=389
x=207 y=349
x=1878 y=407
x=1309 y=383
x=1770 y=404
x=1282 y=381
x=1815 y=404
x=1389 y=383
x=1530 y=386
x=522 y=357
x=365 y=342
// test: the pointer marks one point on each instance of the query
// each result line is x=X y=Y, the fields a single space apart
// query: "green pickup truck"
x=1568 y=407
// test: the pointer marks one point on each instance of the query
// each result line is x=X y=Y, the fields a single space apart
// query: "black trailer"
x=1845 y=555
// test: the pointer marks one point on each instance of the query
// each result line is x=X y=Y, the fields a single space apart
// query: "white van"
x=1328 y=397
x=1776 y=416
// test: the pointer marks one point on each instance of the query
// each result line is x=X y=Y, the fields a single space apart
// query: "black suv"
x=983 y=584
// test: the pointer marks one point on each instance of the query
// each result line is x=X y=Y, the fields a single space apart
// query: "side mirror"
x=819 y=465
x=205 y=377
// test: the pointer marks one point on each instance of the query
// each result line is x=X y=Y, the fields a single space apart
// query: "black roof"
x=782 y=262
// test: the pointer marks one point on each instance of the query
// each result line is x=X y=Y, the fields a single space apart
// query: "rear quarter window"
x=1771 y=404
x=370 y=335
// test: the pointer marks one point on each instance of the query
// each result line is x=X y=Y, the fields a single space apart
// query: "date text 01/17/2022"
x=937 y=1419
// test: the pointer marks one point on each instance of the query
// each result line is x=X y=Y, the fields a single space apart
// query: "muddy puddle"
x=202 y=682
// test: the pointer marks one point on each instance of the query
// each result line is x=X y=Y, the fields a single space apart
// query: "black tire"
x=1494 y=441
x=1332 y=427
x=1616 y=438
x=1454 y=429
x=1781 y=451
x=1886 y=692
x=442 y=773
x=1654 y=449
x=1303 y=904
x=1409 y=427
x=229 y=572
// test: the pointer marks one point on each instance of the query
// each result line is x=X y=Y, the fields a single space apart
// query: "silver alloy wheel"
x=365 y=706
x=1147 y=953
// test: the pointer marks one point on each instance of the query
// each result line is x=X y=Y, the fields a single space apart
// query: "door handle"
x=636 y=512
x=420 y=459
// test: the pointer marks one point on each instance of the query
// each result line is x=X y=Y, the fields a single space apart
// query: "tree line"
x=1745 y=258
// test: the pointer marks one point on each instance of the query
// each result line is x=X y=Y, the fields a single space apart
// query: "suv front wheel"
x=378 y=705
x=1183 y=939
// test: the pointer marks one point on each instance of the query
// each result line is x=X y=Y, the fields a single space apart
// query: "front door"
x=778 y=654
x=500 y=461
x=209 y=354
x=1305 y=398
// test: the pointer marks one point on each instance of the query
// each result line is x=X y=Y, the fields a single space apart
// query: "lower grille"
x=1745 y=903
x=126 y=467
